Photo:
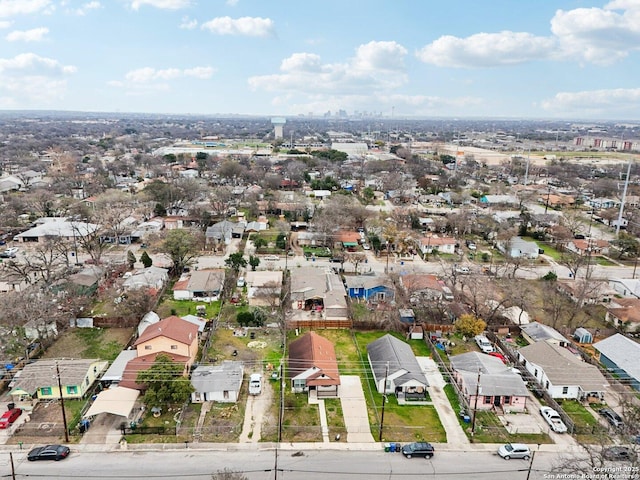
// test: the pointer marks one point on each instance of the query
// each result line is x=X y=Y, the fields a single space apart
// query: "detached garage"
x=116 y=401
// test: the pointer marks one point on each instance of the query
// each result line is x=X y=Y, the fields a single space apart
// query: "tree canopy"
x=182 y=247
x=165 y=383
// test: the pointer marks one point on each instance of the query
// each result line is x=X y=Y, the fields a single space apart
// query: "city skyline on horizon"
x=575 y=60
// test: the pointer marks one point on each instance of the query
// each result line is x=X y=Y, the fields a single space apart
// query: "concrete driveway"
x=354 y=410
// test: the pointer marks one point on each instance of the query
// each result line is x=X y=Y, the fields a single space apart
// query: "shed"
x=582 y=335
x=407 y=315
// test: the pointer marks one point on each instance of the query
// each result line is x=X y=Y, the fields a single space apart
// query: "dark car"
x=49 y=452
x=418 y=449
x=612 y=417
x=618 y=453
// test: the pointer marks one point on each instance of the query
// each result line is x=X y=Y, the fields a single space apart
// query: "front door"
x=496 y=400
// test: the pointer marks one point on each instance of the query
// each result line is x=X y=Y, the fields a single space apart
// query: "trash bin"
x=466 y=418
x=387 y=447
x=392 y=447
x=11 y=406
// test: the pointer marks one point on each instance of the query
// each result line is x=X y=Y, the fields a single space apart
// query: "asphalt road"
x=189 y=464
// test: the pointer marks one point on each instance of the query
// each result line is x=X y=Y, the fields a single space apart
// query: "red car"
x=500 y=356
x=9 y=417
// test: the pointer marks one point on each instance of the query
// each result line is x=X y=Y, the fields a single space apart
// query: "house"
x=562 y=372
x=395 y=369
x=217 y=383
x=487 y=383
x=114 y=373
x=203 y=285
x=424 y=287
x=624 y=313
x=153 y=278
x=428 y=244
x=588 y=247
x=318 y=293
x=264 y=287
x=626 y=287
x=583 y=291
x=621 y=355
x=12 y=282
x=369 y=288
x=223 y=232
x=349 y=240
x=40 y=379
x=313 y=367
x=492 y=200
x=58 y=227
x=517 y=247
x=172 y=336
x=534 y=332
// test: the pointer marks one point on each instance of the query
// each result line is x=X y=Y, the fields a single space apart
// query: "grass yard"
x=301 y=422
x=335 y=418
x=587 y=428
x=102 y=343
x=180 y=308
x=223 y=423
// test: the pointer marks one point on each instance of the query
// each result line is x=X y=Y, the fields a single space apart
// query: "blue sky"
x=573 y=59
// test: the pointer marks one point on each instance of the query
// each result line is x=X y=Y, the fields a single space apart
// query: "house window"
x=535 y=373
x=225 y=394
x=565 y=390
x=506 y=400
x=174 y=347
x=546 y=384
x=45 y=390
x=72 y=390
x=298 y=384
x=147 y=347
x=387 y=385
x=380 y=296
x=487 y=399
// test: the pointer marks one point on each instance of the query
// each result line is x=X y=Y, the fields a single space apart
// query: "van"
x=255 y=384
x=484 y=344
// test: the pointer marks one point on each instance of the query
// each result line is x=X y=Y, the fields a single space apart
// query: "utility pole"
x=475 y=406
x=533 y=454
x=384 y=401
x=624 y=198
x=13 y=469
x=64 y=414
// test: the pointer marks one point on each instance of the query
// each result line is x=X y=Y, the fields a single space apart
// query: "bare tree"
x=45 y=264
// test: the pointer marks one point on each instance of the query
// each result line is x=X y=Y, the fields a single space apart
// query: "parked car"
x=49 y=452
x=612 y=417
x=240 y=282
x=9 y=252
x=272 y=258
x=514 y=450
x=484 y=344
x=463 y=270
x=9 y=417
x=255 y=384
x=553 y=419
x=618 y=453
x=418 y=449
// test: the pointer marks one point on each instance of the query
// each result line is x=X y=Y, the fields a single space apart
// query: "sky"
x=538 y=59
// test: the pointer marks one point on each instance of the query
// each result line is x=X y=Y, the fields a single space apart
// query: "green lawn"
x=180 y=308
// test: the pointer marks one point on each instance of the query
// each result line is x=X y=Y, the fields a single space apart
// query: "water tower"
x=278 y=126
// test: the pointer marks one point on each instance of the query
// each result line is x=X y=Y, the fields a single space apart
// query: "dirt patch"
x=45 y=425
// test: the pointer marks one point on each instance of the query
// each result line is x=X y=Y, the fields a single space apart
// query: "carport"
x=117 y=401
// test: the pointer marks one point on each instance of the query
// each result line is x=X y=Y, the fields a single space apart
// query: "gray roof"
x=147 y=277
x=59 y=227
x=365 y=281
x=538 y=331
x=217 y=378
x=222 y=230
x=114 y=372
x=495 y=377
x=311 y=282
x=622 y=351
x=563 y=367
x=206 y=281
x=42 y=373
x=389 y=350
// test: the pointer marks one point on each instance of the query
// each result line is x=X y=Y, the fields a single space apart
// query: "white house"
x=217 y=383
x=442 y=244
x=562 y=372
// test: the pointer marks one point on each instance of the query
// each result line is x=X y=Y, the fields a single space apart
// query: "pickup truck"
x=553 y=419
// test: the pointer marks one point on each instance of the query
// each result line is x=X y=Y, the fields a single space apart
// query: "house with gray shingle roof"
x=393 y=361
x=499 y=386
x=217 y=383
x=622 y=355
x=562 y=372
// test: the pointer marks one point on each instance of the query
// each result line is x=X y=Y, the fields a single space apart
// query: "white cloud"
x=247 y=26
x=149 y=75
x=86 y=8
x=377 y=66
x=5 y=24
x=609 y=103
x=33 y=35
x=31 y=80
x=162 y=4
x=232 y=3
x=486 y=49
x=10 y=8
x=188 y=24
x=596 y=35
x=34 y=63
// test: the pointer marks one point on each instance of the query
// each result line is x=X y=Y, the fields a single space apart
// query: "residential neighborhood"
x=143 y=307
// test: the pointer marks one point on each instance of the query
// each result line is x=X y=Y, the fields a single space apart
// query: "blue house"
x=369 y=288
x=620 y=355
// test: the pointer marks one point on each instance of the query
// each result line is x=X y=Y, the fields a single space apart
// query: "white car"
x=484 y=344
x=9 y=252
x=240 y=282
x=272 y=258
x=514 y=450
x=553 y=419
x=255 y=384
